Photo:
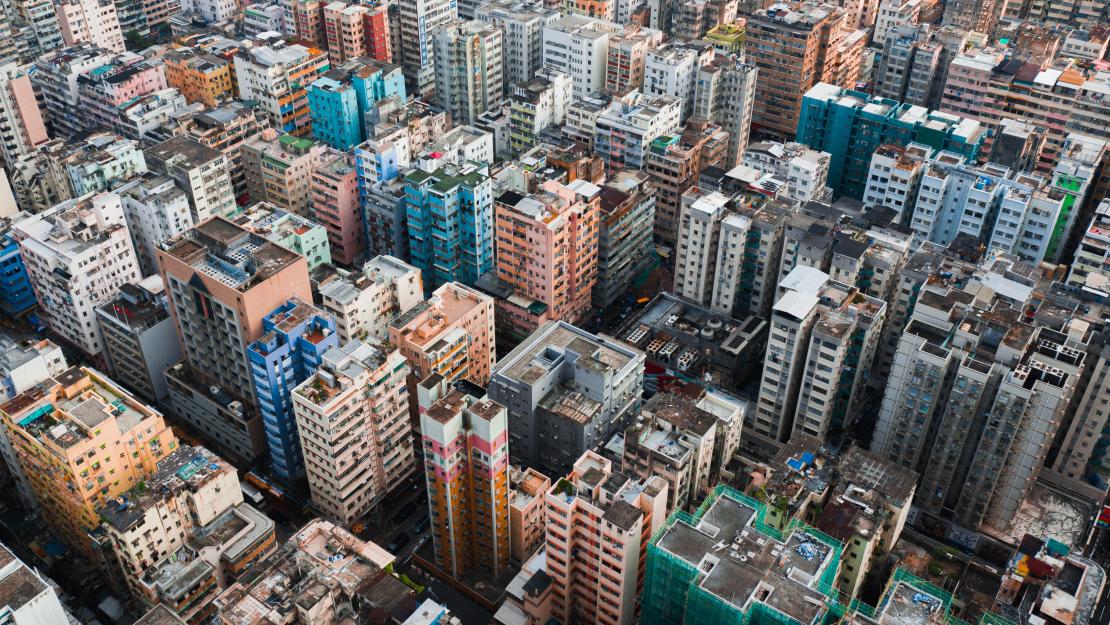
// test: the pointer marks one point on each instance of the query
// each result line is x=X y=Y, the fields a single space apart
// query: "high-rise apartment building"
x=277 y=77
x=222 y=281
x=989 y=85
x=279 y=169
x=672 y=69
x=579 y=47
x=1005 y=211
x=199 y=76
x=469 y=74
x=724 y=93
x=673 y=163
x=793 y=317
x=600 y=9
x=224 y=128
x=418 y=20
x=624 y=236
x=759 y=574
x=804 y=171
x=466 y=449
x=42 y=19
x=341 y=100
x=547 y=253
x=21 y=127
x=972 y=15
x=895 y=176
x=1092 y=256
x=335 y=205
x=289 y=230
x=85 y=243
x=81 y=441
x=140 y=341
x=55 y=78
x=794 y=48
x=106 y=95
x=364 y=301
x=345 y=30
x=976 y=393
x=23 y=364
x=703 y=221
x=563 y=383
x=155 y=210
x=893 y=14
x=910 y=67
x=535 y=105
x=1080 y=462
x=845 y=337
x=36 y=601
x=624 y=130
x=450 y=334
x=38 y=182
x=599 y=524
x=98 y=161
x=150 y=541
x=201 y=171
x=627 y=58
x=521 y=25
x=353 y=461
x=675 y=438
x=450 y=223
x=90 y=21
x=832 y=116
x=297 y=334
x=17 y=295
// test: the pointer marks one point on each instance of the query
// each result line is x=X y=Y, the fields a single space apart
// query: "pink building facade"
x=335 y=205
x=102 y=91
x=547 y=251
x=450 y=334
x=90 y=21
x=21 y=123
x=598 y=528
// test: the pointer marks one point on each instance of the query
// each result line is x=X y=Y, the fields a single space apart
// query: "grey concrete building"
x=139 y=338
x=566 y=390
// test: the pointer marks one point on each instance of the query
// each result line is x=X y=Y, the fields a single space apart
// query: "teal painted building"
x=450 y=223
x=339 y=100
x=851 y=125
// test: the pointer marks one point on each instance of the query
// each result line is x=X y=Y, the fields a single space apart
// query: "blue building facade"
x=16 y=294
x=335 y=113
x=297 y=335
x=851 y=125
x=339 y=100
x=450 y=223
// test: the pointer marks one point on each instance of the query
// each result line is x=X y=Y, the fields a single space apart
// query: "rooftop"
x=182 y=151
x=554 y=343
x=65 y=410
x=186 y=468
x=20 y=586
x=738 y=563
x=230 y=254
x=320 y=561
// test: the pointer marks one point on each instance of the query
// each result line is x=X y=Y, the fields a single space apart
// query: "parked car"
x=398 y=543
x=421 y=525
